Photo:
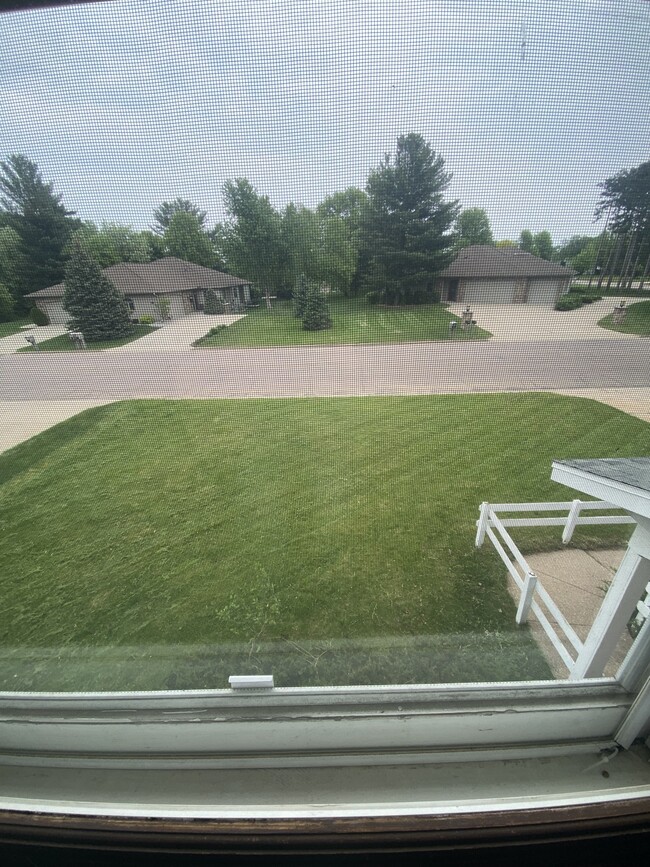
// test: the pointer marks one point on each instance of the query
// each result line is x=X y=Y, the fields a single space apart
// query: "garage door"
x=488 y=291
x=544 y=291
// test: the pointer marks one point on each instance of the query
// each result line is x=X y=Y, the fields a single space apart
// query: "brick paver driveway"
x=523 y=322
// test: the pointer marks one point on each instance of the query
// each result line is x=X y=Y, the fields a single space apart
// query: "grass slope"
x=64 y=344
x=637 y=320
x=354 y=321
x=171 y=543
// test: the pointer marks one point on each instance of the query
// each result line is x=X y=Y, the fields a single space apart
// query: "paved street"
x=415 y=368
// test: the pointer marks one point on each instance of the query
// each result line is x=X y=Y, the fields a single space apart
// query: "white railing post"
x=481 y=524
x=526 y=599
x=571 y=521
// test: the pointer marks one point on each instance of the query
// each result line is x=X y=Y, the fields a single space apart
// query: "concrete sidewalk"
x=21 y=420
x=577 y=582
x=178 y=333
x=524 y=322
x=9 y=345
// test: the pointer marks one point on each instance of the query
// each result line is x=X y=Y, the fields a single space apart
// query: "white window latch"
x=255 y=681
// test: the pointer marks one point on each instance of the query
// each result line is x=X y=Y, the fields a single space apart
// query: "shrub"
x=214 y=305
x=373 y=297
x=38 y=316
x=589 y=299
x=211 y=333
x=568 y=303
x=146 y=320
x=164 y=307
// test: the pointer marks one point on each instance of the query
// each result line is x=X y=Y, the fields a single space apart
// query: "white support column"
x=622 y=597
x=481 y=524
x=637 y=721
x=526 y=599
x=572 y=519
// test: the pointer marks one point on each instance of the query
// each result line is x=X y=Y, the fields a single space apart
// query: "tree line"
x=388 y=241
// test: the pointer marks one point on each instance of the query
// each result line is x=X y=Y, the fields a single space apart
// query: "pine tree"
x=96 y=307
x=300 y=296
x=406 y=227
x=316 y=316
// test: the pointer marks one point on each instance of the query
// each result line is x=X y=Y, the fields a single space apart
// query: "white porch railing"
x=534 y=596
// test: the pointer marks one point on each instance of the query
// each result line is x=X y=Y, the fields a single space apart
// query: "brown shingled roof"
x=162 y=275
x=479 y=261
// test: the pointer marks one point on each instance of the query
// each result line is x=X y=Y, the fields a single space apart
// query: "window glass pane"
x=287 y=291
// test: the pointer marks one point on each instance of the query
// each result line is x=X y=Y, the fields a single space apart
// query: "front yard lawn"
x=64 y=344
x=637 y=320
x=354 y=321
x=153 y=544
x=13 y=327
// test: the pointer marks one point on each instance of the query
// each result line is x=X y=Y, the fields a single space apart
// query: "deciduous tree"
x=165 y=213
x=6 y=304
x=111 y=243
x=473 y=227
x=186 y=240
x=252 y=241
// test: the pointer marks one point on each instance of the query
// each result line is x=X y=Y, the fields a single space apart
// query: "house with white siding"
x=182 y=284
x=503 y=275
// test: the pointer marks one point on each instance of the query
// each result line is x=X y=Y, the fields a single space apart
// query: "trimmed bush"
x=38 y=316
x=146 y=320
x=568 y=303
x=373 y=297
x=214 y=305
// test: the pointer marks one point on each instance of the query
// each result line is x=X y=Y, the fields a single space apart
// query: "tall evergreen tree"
x=407 y=223
x=29 y=205
x=300 y=295
x=96 y=308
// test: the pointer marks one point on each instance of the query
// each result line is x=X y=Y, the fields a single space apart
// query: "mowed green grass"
x=329 y=540
x=64 y=344
x=637 y=320
x=354 y=321
x=13 y=327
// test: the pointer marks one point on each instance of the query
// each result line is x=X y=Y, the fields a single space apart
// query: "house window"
x=131 y=304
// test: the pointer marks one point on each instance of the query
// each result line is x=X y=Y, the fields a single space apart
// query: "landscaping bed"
x=168 y=544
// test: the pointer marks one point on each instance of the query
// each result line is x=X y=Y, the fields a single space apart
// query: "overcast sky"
x=125 y=104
